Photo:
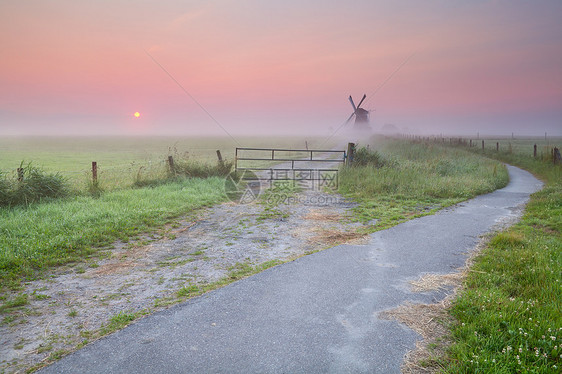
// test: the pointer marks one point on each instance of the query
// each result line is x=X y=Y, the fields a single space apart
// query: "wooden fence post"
x=20 y=174
x=535 y=151
x=482 y=144
x=171 y=164
x=94 y=172
x=556 y=157
x=350 y=153
x=470 y=143
x=497 y=146
x=219 y=156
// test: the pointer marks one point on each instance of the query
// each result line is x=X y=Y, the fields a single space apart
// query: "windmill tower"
x=361 y=116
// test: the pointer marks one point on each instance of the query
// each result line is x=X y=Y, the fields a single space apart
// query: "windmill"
x=361 y=115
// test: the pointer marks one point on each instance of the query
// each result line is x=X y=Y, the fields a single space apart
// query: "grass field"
x=518 y=147
x=121 y=159
x=508 y=316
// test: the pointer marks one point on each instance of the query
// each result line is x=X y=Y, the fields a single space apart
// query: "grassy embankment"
x=508 y=317
x=401 y=180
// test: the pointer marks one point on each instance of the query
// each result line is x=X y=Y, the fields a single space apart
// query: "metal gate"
x=274 y=164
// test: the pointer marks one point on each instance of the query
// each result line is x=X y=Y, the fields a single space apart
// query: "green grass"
x=118 y=321
x=39 y=236
x=508 y=315
x=397 y=180
x=15 y=302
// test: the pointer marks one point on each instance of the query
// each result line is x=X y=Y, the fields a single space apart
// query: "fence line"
x=554 y=152
x=97 y=169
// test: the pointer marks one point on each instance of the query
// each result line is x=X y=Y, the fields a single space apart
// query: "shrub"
x=365 y=157
x=194 y=169
x=183 y=168
x=35 y=186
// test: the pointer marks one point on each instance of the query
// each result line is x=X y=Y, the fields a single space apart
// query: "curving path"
x=317 y=314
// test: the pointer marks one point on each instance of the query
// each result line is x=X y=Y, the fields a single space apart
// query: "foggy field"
x=392 y=181
x=416 y=181
x=120 y=159
x=522 y=147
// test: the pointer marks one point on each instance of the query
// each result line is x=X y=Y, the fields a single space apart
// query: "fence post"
x=535 y=151
x=497 y=146
x=20 y=174
x=171 y=164
x=350 y=153
x=219 y=156
x=236 y=162
x=470 y=143
x=556 y=155
x=482 y=144
x=94 y=172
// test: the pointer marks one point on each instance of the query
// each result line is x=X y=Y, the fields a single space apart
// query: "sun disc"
x=137 y=114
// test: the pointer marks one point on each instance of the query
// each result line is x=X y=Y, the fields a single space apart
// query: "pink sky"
x=80 y=66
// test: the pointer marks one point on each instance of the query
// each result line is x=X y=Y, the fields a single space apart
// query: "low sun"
x=137 y=114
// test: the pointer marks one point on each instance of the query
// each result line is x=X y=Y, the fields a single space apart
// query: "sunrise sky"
x=85 y=67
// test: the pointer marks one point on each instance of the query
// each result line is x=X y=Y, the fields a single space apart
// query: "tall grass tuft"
x=183 y=168
x=366 y=157
x=35 y=186
x=195 y=169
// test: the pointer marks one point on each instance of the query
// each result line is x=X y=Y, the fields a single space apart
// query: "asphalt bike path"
x=317 y=314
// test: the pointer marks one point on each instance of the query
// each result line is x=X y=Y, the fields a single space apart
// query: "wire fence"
x=546 y=150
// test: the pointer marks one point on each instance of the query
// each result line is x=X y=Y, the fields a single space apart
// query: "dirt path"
x=68 y=308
